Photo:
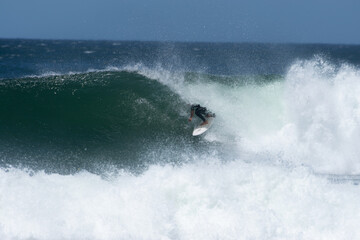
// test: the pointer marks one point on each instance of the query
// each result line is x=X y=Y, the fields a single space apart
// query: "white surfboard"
x=201 y=129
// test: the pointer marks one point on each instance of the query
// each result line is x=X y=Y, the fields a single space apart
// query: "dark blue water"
x=20 y=58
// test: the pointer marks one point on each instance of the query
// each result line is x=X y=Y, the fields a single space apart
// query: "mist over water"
x=104 y=150
x=308 y=117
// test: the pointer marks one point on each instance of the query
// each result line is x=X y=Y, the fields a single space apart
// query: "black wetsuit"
x=199 y=111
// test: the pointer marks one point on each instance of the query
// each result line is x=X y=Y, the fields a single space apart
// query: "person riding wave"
x=201 y=112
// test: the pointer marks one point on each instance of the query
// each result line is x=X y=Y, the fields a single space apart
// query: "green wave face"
x=85 y=114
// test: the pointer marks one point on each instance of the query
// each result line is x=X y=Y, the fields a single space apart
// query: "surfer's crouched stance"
x=201 y=112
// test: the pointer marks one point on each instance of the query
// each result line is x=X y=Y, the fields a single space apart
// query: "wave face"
x=86 y=114
x=95 y=142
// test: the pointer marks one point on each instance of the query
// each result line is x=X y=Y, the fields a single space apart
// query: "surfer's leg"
x=200 y=115
x=204 y=123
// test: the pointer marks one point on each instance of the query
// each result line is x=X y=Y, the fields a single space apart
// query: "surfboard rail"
x=200 y=129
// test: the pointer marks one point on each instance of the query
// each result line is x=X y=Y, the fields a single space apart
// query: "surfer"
x=201 y=112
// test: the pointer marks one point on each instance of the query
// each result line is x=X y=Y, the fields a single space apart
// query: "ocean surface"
x=95 y=142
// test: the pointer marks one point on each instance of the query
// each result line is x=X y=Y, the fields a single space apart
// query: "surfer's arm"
x=191 y=115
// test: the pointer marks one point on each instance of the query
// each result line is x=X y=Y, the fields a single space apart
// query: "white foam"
x=311 y=118
x=324 y=105
x=195 y=201
x=321 y=119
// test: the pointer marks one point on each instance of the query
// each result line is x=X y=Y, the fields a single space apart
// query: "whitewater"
x=281 y=160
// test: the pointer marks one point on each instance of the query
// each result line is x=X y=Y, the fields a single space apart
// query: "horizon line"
x=176 y=41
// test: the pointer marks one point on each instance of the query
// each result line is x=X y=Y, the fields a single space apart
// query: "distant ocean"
x=95 y=142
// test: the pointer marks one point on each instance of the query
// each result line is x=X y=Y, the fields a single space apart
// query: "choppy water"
x=95 y=143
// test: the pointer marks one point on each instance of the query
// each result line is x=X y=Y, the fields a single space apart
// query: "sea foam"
x=310 y=117
x=206 y=200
